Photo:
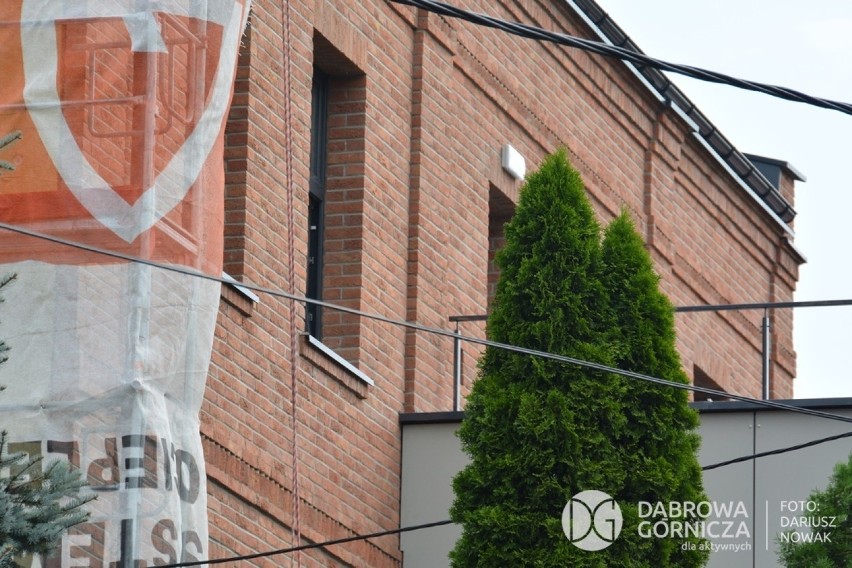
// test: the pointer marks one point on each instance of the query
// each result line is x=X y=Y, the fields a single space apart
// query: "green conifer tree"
x=659 y=447
x=833 y=506
x=37 y=504
x=537 y=431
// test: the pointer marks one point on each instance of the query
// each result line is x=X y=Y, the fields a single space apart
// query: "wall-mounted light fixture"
x=513 y=162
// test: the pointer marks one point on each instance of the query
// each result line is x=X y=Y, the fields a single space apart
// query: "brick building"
x=363 y=163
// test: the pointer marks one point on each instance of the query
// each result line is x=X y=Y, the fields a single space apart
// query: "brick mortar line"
x=587 y=170
x=736 y=320
x=283 y=488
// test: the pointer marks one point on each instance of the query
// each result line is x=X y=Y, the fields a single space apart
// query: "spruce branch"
x=6 y=141
x=9 y=138
x=38 y=502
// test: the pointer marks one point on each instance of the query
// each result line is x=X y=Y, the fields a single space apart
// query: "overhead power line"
x=434 y=330
x=778 y=451
x=306 y=546
x=638 y=59
x=412 y=528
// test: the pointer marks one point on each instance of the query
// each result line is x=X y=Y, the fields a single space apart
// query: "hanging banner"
x=114 y=112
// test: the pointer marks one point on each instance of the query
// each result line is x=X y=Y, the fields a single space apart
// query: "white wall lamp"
x=513 y=162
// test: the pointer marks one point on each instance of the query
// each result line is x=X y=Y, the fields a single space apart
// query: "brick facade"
x=419 y=108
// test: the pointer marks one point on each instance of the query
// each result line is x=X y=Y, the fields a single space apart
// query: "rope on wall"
x=286 y=72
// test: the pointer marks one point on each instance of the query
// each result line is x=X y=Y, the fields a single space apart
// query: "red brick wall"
x=420 y=108
x=344 y=214
x=236 y=151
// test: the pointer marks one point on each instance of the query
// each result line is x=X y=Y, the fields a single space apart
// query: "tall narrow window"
x=316 y=202
x=336 y=199
x=500 y=211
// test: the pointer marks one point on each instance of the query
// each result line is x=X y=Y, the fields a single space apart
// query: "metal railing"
x=457 y=356
x=766 y=335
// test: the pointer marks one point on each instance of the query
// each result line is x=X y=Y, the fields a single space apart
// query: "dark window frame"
x=316 y=200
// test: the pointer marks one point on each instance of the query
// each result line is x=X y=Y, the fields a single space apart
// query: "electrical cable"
x=778 y=451
x=307 y=546
x=638 y=59
x=535 y=33
x=448 y=521
x=445 y=333
x=434 y=330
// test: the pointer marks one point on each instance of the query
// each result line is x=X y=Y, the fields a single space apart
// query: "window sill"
x=240 y=297
x=327 y=360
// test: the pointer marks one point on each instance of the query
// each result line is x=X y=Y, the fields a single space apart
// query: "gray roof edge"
x=724 y=151
x=841 y=403
x=447 y=417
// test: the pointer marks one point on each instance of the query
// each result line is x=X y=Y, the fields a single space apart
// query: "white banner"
x=107 y=370
x=120 y=106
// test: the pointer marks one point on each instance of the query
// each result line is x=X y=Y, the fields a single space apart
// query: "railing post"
x=457 y=369
x=767 y=348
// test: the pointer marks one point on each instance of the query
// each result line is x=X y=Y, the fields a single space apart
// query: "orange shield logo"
x=120 y=112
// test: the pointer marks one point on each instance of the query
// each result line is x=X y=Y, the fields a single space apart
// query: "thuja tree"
x=540 y=431
x=659 y=445
x=833 y=549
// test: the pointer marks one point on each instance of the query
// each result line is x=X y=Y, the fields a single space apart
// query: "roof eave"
x=735 y=162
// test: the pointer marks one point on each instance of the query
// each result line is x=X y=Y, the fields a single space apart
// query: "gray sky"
x=806 y=46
